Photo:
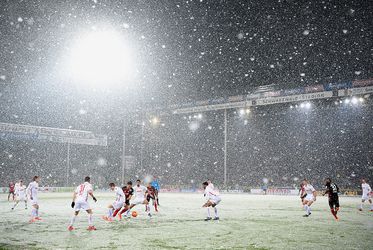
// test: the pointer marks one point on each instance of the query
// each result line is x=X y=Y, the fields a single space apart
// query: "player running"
x=151 y=194
x=155 y=184
x=128 y=192
x=20 y=191
x=366 y=195
x=310 y=197
x=213 y=199
x=332 y=190
x=140 y=193
x=117 y=204
x=80 y=201
x=11 y=191
x=32 y=191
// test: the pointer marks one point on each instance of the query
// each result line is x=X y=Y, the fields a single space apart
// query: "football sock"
x=208 y=212
x=110 y=212
x=116 y=212
x=216 y=212
x=90 y=219
x=124 y=210
x=73 y=218
x=33 y=212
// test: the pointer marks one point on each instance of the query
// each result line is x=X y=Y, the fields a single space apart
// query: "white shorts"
x=81 y=205
x=117 y=204
x=215 y=200
x=21 y=198
x=309 y=197
x=137 y=201
x=34 y=201
x=365 y=197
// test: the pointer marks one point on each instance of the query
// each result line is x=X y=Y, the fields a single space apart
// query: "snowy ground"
x=247 y=222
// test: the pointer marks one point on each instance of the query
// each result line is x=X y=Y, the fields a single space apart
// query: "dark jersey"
x=127 y=192
x=332 y=190
x=11 y=188
x=151 y=191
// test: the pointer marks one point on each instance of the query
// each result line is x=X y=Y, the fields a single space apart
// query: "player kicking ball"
x=128 y=192
x=20 y=191
x=80 y=202
x=117 y=204
x=140 y=193
x=366 y=195
x=310 y=197
x=32 y=191
x=332 y=190
x=213 y=199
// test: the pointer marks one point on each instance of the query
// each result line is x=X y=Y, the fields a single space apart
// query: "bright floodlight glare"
x=361 y=99
x=308 y=105
x=347 y=101
x=242 y=111
x=302 y=105
x=100 y=57
x=199 y=116
x=354 y=100
x=154 y=121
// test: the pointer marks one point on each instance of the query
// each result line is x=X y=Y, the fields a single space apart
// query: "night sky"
x=183 y=51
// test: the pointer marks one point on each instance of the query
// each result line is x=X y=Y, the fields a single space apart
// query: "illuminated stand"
x=58 y=135
x=268 y=95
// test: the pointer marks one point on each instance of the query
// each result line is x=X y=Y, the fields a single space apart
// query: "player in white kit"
x=366 y=189
x=117 y=204
x=213 y=199
x=80 y=202
x=20 y=191
x=310 y=197
x=32 y=191
x=140 y=194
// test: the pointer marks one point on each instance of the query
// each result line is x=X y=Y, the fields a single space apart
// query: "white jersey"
x=20 y=190
x=120 y=197
x=140 y=192
x=366 y=189
x=82 y=191
x=210 y=193
x=309 y=189
x=32 y=190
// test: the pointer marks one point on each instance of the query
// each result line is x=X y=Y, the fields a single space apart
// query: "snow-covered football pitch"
x=246 y=222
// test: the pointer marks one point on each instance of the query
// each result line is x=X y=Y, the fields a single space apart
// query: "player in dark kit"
x=128 y=192
x=151 y=194
x=332 y=190
x=11 y=190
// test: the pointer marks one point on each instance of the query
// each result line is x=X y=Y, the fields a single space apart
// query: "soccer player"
x=155 y=184
x=213 y=199
x=332 y=190
x=80 y=201
x=32 y=191
x=117 y=204
x=151 y=194
x=140 y=193
x=366 y=195
x=20 y=191
x=11 y=191
x=128 y=192
x=310 y=197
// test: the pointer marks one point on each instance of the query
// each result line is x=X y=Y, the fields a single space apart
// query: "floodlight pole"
x=68 y=164
x=225 y=148
x=124 y=150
